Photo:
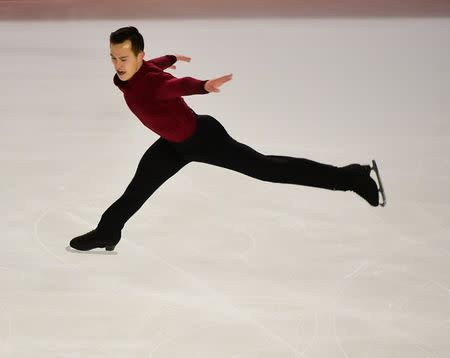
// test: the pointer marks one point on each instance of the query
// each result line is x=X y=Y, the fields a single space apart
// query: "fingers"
x=183 y=58
x=227 y=77
x=213 y=85
x=224 y=79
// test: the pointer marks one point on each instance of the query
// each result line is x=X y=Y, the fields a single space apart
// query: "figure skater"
x=156 y=98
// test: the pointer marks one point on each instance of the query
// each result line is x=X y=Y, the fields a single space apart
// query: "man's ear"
x=141 y=55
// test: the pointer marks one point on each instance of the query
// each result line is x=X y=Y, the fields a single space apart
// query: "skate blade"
x=91 y=252
x=381 y=188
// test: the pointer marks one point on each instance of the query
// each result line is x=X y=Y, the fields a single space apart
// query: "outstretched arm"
x=164 y=62
x=168 y=61
x=167 y=86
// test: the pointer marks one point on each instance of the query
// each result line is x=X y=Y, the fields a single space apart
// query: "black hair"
x=128 y=33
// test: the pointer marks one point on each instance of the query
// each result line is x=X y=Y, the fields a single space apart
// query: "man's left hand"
x=181 y=58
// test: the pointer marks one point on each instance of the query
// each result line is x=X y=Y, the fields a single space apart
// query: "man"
x=155 y=97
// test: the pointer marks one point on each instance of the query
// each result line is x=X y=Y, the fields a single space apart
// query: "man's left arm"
x=164 y=62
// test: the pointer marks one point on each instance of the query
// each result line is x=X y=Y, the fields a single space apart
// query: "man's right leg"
x=157 y=165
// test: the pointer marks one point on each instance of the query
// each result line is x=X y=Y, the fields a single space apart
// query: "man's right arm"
x=166 y=86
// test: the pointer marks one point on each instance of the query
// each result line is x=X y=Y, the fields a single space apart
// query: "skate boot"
x=360 y=182
x=94 y=239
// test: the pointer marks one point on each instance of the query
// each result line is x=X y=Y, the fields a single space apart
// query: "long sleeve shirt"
x=155 y=97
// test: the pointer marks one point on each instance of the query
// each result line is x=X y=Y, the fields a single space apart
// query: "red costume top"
x=155 y=97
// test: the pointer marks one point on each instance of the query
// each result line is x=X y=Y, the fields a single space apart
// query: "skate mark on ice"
x=265 y=300
x=440 y=285
x=383 y=327
x=10 y=329
x=220 y=298
x=244 y=255
x=315 y=337
x=260 y=349
x=356 y=271
x=350 y=277
x=166 y=308
x=39 y=241
x=414 y=339
x=165 y=340
x=9 y=320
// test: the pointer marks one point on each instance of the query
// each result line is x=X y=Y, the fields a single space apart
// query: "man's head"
x=127 y=51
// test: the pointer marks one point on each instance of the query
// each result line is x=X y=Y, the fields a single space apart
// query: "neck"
x=139 y=65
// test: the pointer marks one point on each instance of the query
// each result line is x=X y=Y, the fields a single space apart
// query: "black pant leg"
x=213 y=145
x=157 y=165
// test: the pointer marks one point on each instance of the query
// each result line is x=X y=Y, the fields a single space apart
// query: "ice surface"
x=217 y=264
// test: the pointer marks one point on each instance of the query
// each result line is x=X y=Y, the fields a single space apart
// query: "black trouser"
x=212 y=144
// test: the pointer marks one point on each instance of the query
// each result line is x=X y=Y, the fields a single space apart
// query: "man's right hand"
x=214 y=84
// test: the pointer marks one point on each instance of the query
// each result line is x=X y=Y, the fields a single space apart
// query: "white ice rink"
x=217 y=264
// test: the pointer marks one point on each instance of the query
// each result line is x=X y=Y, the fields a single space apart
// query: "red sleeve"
x=164 y=61
x=166 y=86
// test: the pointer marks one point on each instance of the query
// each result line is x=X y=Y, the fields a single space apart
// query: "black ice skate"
x=362 y=183
x=95 y=239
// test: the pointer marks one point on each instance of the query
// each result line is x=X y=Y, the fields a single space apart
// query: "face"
x=124 y=60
